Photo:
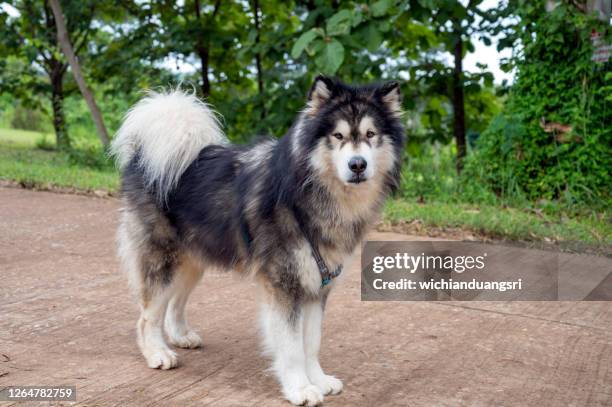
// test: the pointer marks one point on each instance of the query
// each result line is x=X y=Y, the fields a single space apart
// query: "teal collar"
x=326 y=275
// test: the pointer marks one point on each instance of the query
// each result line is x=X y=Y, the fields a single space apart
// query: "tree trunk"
x=458 y=104
x=66 y=46
x=260 y=86
x=57 y=101
x=202 y=52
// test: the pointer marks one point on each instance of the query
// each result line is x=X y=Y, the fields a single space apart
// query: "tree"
x=32 y=37
x=257 y=27
x=455 y=25
x=254 y=60
x=66 y=46
x=192 y=31
x=346 y=38
x=361 y=41
x=203 y=42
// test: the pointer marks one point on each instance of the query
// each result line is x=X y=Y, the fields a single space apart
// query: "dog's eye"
x=338 y=136
x=370 y=134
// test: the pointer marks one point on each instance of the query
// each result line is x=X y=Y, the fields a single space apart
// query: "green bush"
x=552 y=141
x=27 y=119
x=90 y=157
x=45 y=143
x=429 y=173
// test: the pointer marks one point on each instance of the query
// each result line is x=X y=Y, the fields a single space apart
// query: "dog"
x=286 y=212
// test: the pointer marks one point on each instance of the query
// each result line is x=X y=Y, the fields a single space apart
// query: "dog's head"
x=354 y=133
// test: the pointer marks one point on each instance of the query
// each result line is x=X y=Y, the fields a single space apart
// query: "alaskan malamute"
x=287 y=212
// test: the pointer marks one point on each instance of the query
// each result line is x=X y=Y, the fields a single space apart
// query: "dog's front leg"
x=313 y=320
x=283 y=331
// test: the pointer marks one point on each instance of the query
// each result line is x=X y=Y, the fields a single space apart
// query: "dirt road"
x=66 y=318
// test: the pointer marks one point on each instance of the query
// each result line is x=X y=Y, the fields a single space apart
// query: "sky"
x=491 y=57
x=488 y=54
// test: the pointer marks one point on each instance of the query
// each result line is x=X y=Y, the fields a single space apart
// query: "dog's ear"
x=320 y=93
x=389 y=94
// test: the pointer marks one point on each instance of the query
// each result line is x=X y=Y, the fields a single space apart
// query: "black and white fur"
x=192 y=202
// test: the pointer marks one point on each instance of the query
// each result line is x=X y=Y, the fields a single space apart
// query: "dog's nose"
x=357 y=164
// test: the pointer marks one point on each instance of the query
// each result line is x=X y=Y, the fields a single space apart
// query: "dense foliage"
x=253 y=60
x=553 y=140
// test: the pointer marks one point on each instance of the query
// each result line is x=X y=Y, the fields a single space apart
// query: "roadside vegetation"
x=31 y=160
x=434 y=200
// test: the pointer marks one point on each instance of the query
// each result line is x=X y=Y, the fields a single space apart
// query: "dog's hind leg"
x=149 y=262
x=185 y=279
x=150 y=330
x=282 y=326
x=313 y=320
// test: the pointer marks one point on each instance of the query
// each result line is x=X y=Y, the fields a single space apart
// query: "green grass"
x=505 y=223
x=24 y=138
x=22 y=162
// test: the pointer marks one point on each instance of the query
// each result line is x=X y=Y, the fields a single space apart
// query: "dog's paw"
x=191 y=340
x=161 y=359
x=309 y=395
x=328 y=384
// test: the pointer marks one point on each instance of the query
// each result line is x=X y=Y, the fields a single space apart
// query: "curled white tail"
x=167 y=130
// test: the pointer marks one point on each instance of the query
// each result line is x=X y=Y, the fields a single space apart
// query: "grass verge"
x=593 y=232
x=22 y=162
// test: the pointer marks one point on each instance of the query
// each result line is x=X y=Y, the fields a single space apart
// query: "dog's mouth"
x=357 y=179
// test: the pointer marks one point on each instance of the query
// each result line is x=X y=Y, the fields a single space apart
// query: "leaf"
x=331 y=57
x=252 y=36
x=302 y=43
x=380 y=7
x=339 y=23
x=469 y=47
x=384 y=26
x=430 y=4
x=472 y=88
x=315 y=47
x=505 y=66
x=357 y=18
x=373 y=37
